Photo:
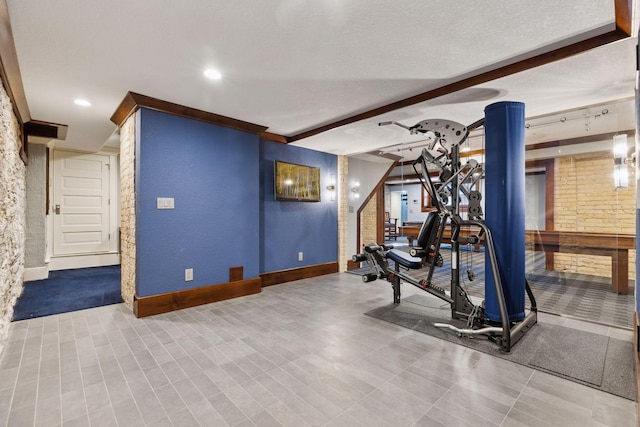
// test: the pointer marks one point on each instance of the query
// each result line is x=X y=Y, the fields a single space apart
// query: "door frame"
x=112 y=256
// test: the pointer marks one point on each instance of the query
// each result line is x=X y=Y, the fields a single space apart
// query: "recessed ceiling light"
x=82 y=102
x=212 y=74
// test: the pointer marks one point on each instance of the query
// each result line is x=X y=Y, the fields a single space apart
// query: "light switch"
x=165 y=202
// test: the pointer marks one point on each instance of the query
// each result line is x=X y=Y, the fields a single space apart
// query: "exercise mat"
x=598 y=361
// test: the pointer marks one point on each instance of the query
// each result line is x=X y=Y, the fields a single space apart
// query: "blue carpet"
x=69 y=290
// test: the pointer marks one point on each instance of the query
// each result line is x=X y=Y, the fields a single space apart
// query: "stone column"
x=128 y=210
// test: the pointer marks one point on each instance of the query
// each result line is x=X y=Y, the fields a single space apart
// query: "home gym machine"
x=501 y=315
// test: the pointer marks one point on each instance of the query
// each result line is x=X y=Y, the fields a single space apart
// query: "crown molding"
x=134 y=101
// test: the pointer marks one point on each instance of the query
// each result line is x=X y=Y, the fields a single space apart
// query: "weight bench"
x=426 y=245
x=426 y=254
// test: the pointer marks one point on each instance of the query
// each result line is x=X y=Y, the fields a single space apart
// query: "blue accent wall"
x=213 y=175
x=289 y=227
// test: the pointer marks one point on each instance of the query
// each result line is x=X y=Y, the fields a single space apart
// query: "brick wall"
x=343 y=212
x=12 y=213
x=128 y=211
x=368 y=224
x=586 y=200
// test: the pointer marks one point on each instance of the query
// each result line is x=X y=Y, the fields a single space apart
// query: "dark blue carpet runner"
x=69 y=290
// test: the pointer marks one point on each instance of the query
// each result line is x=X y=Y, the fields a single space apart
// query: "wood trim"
x=46 y=129
x=470 y=153
x=579 y=140
x=236 y=274
x=289 y=275
x=551 y=144
x=549 y=201
x=622 y=30
x=352 y=265
x=623 y=16
x=134 y=101
x=268 y=136
x=46 y=180
x=396 y=177
x=549 y=194
x=549 y=171
x=171 y=301
x=367 y=200
x=127 y=107
x=10 y=68
x=24 y=146
x=380 y=214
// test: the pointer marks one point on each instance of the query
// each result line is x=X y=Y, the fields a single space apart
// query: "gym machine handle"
x=375 y=248
x=418 y=252
x=359 y=258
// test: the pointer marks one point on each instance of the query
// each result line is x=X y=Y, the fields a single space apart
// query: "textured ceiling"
x=294 y=65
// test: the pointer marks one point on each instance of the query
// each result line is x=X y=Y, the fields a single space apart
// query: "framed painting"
x=296 y=183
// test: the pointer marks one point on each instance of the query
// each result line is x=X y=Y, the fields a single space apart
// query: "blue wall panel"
x=291 y=227
x=213 y=175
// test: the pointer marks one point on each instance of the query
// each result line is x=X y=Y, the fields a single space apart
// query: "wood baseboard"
x=352 y=265
x=171 y=301
x=283 y=276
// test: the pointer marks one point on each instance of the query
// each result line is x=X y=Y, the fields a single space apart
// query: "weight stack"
x=505 y=206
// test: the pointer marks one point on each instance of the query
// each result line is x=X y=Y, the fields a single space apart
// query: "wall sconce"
x=620 y=172
x=332 y=186
x=356 y=190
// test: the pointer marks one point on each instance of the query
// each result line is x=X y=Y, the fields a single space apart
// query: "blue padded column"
x=504 y=205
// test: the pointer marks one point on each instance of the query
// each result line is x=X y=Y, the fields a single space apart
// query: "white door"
x=396 y=206
x=80 y=203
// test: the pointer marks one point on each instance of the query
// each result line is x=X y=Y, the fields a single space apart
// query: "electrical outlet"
x=188 y=274
x=300 y=257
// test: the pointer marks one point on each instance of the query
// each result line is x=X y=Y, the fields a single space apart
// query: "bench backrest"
x=429 y=231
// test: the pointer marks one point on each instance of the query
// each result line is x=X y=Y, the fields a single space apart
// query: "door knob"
x=57 y=209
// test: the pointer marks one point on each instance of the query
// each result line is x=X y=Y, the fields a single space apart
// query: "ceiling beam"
x=623 y=17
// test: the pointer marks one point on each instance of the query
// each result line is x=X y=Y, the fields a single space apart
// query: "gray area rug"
x=579 y=295
x=594 y=360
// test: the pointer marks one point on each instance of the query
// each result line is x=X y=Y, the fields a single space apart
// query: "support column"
x=504 y=206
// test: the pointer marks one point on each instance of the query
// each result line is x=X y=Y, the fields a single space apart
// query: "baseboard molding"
x=35 y=273
x=83 y=261
x=283 y=276
x=171 y=301
x=353 y=265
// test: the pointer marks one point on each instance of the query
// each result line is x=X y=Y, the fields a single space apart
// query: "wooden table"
x=411 y=230
x=615 y=246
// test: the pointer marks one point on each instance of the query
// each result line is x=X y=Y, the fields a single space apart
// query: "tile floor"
x=296 y=354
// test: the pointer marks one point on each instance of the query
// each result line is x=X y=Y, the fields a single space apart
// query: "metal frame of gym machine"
x=443 y=152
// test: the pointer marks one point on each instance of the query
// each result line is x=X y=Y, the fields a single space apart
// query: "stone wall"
x=12 y=213
x=586 y=200
x=368 y=225
x=36 y=238
x=343 y=212
x=128 y=210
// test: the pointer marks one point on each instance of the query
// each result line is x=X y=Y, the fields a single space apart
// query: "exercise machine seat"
x=426 y=240
x=404 y=259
